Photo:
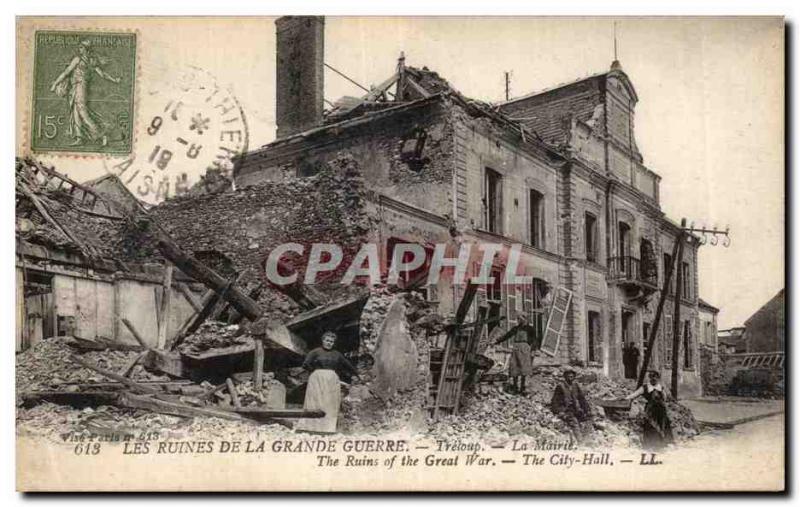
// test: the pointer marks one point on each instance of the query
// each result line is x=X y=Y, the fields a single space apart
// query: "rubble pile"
x=729 y=378
x=46 y=365
x=53 y=421
x=365 y=411
x=242 y=226
x=214 y=335
x=492 y=412
x=372 y=316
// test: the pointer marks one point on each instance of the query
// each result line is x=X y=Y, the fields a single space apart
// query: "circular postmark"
x=192 y=127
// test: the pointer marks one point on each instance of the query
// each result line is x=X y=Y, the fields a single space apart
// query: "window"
x=649 y=262
x=624 y=248
x=536 y=304
x=593 y=336
x=537 y=218
x=688 y=359
x=627 y=323
x=686 y=282
x=624 y=238
x=590 y=227
x=493 y=201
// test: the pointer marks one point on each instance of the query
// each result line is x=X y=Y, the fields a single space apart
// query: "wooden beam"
x=289 y=413
x=200 y=272
x=190 y=326
x=174 y=408
x=74 y=399
x=40 y=206
x=258 y=366
x=184 y=289
x=163 y=315
x=129 y=369
x=234 y=395
x=381 y=88
x=135 y=333
x=119 y=378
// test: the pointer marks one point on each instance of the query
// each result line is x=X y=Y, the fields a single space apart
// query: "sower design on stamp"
x=83 y=92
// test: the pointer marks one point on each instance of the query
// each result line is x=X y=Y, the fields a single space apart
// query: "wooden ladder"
x=447 y=365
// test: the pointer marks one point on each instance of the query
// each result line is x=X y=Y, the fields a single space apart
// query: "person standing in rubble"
x=520 y=364
x=630 y=359
x=323 y=391
x=569 y=403
x=656 y=426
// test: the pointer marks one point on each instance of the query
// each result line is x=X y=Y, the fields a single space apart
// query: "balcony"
x=639 y=279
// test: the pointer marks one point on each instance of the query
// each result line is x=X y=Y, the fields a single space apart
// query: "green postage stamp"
x=83 y=92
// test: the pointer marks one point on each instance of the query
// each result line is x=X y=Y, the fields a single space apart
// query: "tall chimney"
x=300 y=51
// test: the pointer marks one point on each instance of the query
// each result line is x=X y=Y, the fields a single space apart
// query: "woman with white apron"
x=323 y=391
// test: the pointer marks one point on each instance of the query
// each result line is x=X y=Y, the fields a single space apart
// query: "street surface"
x=729 y=410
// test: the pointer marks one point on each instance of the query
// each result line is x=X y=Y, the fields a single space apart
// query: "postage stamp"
x=83 y=92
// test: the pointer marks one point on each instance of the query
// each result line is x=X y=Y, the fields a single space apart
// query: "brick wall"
x=300 y=74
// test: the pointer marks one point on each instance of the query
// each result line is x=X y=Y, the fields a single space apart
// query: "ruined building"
x=558 y=171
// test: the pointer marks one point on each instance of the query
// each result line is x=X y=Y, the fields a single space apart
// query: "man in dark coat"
x=570 y=404
x=630 y=359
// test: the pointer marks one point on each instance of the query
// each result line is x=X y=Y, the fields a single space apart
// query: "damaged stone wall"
x=243 y=226
x=405 y=153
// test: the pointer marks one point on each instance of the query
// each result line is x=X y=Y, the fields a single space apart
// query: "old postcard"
x=316 y=253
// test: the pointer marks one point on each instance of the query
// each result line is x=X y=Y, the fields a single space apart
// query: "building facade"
x=557 y=172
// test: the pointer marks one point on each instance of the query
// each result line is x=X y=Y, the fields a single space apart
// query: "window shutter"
x=555 y=321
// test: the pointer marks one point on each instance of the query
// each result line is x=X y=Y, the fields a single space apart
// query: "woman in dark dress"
x=323 y=391
x=656 y=426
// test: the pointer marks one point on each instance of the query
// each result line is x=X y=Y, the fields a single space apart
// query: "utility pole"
x=676 y=318
x=677 y=258
x=654 y=328
x=508 y=85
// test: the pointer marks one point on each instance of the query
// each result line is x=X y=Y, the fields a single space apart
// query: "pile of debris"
x=396 y=333
x=214 y=335
x=728 y=377
x=491 y=411
x=46 y=365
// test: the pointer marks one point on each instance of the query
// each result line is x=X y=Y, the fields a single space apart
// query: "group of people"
x=569 y=403
x=327 y=366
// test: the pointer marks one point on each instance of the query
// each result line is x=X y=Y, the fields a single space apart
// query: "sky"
x=709 y=120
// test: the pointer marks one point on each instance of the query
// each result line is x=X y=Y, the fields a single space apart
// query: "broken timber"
x=448 y=387
x=119 y=378
x=142 y=402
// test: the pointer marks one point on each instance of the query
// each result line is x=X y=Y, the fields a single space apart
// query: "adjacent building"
x=765 y=330
x=708 y=339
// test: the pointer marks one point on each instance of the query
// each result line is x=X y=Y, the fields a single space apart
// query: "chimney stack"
x=300 y=83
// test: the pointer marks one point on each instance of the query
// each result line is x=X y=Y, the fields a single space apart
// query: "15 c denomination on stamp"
x=83 y=92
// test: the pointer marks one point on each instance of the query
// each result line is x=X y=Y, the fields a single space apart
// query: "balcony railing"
x=632 y=270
